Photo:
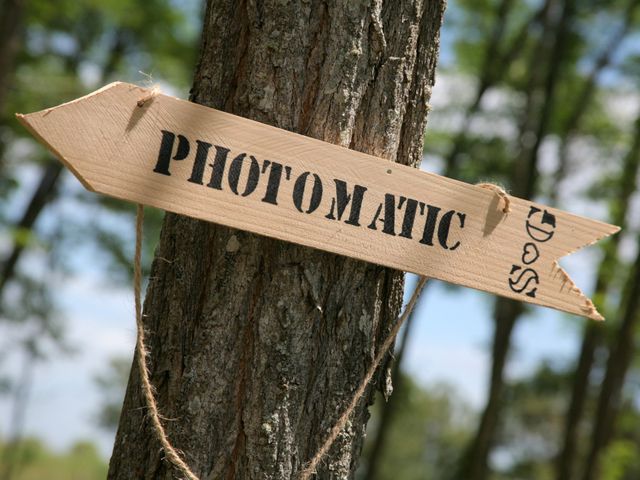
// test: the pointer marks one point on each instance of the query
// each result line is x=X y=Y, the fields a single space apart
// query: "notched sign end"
x=589 y=233
x=550 y=234
x=607 y=230
x=588 y=309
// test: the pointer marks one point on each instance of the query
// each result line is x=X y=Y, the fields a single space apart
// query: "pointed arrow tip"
x=65 y=129
x=26 y=121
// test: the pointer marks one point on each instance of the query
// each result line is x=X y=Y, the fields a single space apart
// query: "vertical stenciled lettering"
x=540 y=227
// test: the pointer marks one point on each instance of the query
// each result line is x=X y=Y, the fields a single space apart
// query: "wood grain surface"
x=203 y=163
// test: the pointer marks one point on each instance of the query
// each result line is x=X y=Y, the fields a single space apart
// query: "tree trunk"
x=12 y=14
x=621 y=354
x=494 y=66
x=475 y=463
x=257 y=345
x=43 y=192
x=11 y=27
x=572 y=125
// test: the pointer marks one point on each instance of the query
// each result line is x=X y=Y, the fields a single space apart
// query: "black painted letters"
x=336 y=200
x=540 y=230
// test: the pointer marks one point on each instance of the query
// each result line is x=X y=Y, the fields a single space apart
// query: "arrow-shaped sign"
x=211 y=165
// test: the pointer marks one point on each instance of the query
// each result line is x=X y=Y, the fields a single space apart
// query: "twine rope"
x=310 y=469
x=147 y=388
x=171 y=453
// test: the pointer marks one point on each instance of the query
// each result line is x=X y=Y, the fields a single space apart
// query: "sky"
x=449 y=343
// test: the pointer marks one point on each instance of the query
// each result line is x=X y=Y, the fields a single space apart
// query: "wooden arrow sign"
x=211 y=165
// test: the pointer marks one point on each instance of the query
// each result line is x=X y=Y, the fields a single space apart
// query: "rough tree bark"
x=257 y=345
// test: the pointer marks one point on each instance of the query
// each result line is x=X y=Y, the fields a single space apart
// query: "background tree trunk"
x=11 y=37
x=541 y=89
x=258 y=345
x=595 y=333
x=621 y=354
x=46 y=188
x=11 y=29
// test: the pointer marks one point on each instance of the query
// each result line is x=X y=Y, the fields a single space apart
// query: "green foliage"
x=112 y=384
x=532 y=423
x=621 y=461
x=67 y=49
x=496 y=153
x=32 y=460
x=429 y=428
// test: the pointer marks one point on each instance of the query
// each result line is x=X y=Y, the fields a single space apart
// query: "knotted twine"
x=171 y=453
x=147 y=389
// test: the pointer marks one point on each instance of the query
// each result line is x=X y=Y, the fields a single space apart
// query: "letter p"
x=166 y=149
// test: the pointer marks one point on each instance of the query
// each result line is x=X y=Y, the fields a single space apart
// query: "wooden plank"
x=197 y=161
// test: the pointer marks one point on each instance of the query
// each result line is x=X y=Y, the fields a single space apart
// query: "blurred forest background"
x=542 y=96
